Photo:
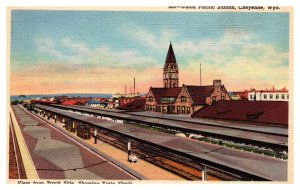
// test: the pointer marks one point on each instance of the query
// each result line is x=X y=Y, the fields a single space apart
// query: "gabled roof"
x=198 y=94
x=158 y=93
x=269 y=112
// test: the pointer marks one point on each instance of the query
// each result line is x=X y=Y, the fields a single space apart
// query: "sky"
x=102 y=51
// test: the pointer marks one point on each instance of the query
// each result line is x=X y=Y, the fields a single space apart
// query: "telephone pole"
x=200 y=73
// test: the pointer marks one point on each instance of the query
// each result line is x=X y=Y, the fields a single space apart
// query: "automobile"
x=132 y=158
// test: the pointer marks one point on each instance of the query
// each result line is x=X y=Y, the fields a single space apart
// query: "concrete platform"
x=56 y=156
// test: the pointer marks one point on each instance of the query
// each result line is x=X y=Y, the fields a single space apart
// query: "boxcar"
x=83 y=131
x=70 y=125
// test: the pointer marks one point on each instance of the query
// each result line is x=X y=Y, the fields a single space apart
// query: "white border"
x=72 y=3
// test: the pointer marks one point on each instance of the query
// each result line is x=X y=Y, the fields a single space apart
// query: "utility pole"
x=200 y=73
x=134 y=85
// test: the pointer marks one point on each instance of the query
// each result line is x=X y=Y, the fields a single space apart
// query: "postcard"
x=124 y=95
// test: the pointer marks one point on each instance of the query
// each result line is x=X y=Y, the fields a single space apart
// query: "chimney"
x=134 y=85
x=217 y=83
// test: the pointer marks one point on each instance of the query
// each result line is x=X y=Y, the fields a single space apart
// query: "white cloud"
x=150 y=40
x=47 y=46
x=79 y=54
x=237 y=57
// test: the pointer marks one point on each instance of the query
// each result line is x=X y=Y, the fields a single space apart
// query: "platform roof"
x=253 y=164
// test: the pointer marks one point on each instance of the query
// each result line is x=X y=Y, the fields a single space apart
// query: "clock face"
x=173 y=75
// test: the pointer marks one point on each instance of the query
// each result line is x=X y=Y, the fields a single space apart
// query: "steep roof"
x=269 y=112
x=158 y=93
x=170 y=56
x=198 y=94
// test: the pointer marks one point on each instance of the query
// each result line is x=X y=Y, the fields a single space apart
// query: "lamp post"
x=204 y=173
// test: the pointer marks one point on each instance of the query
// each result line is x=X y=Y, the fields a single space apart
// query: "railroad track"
x=181 y=166
x=16 y=167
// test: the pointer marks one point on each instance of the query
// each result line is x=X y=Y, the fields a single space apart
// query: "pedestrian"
x=129 y=148
x=95 y=135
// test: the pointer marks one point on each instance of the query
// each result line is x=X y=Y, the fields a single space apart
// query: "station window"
x=183 y=99
x=265 y=96
x=188 y=110
x=271 y=96
x=282 y=96
x=223 y=96
x=277 y=96
x=214 y=98
x=183 y=110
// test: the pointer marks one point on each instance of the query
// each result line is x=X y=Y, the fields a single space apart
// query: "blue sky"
x=86 y=44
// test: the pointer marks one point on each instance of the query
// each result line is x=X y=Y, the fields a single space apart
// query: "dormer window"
x=150 y=98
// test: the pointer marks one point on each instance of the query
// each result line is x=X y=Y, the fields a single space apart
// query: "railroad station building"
x=182 y=100
x=268 y=95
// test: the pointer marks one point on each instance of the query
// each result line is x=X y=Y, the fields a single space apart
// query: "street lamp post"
x=204 y=173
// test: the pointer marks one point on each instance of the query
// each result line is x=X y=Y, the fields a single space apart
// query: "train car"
x=70 y=125
x=29 y=107
x=60 y=118
x=83 y=131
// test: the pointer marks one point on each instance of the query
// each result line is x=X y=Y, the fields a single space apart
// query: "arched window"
x=183 y=99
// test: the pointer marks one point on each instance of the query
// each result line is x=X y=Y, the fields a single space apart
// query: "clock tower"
x=170 y=76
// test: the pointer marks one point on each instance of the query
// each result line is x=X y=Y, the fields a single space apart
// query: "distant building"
x=65 y=100
x=234 y=96
x=46 y=102
x=137 y=104
x=131 y=95
x=69 y=102
x=242 y=95
x=268 y=95
x=93 y=103
x=181 y=100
